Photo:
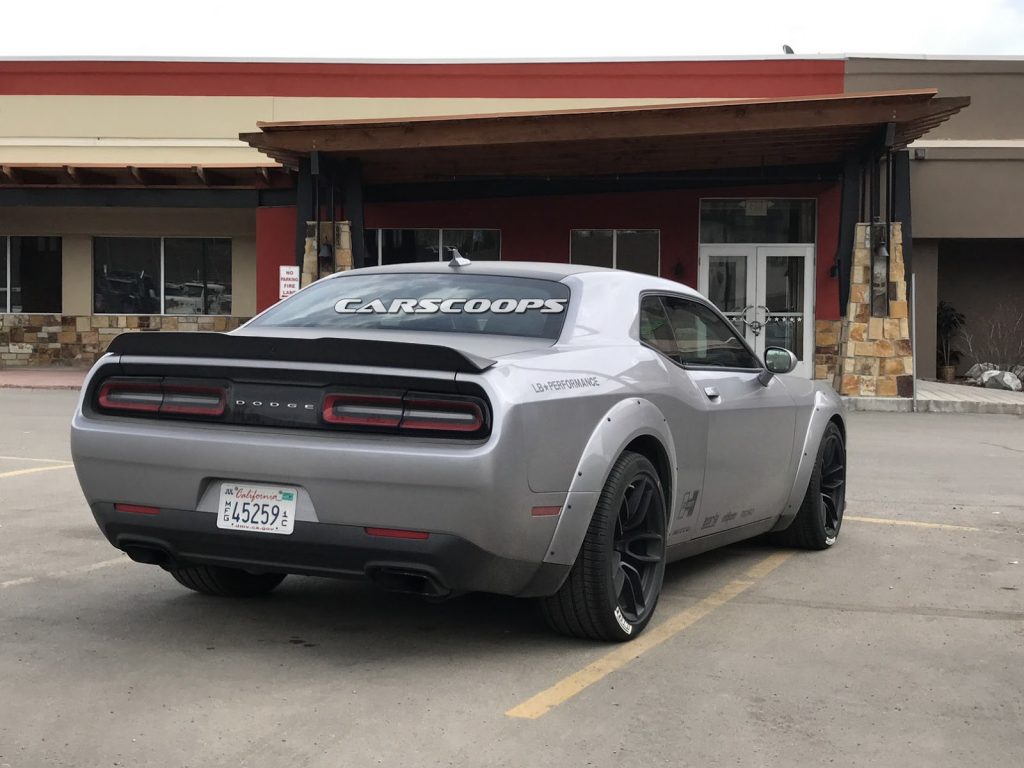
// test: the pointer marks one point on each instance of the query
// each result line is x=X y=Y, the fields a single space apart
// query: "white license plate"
x=261 y=508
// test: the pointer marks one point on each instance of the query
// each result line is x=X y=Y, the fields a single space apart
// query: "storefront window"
x=757 y=220
x=636 y=250
x=31 y=275
x=197 y=276
x=402 y=246
x=152 y=276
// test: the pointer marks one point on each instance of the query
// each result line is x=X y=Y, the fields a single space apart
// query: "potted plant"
x=949 y=323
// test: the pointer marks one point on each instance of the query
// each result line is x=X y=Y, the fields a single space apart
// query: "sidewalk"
x=42 y=378
x=940 y=397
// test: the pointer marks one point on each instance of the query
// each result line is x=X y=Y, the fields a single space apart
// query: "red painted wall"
x=622 y=79
x=275 y=246
x=537 y=228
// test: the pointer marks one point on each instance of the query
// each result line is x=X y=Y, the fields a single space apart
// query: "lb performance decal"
x=560 y=385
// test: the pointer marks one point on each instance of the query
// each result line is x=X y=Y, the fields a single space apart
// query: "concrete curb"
x=906 y=404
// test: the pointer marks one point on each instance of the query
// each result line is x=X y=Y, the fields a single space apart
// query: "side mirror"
x=779 y=360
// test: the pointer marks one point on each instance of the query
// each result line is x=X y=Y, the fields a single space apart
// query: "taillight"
x=434 y=414
x=413 y=412
x=131 y=396
x=359 y=410
x=161 y=397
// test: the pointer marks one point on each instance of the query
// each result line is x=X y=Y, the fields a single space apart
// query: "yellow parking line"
x=913 y=523
x=31 y=458
x=32 y=470
x=539 y=705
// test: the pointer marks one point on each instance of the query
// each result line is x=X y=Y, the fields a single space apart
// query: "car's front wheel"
x=817 y=523
x=226 y=582
x=613 y=587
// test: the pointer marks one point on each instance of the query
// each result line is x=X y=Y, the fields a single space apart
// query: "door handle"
x=712 y=393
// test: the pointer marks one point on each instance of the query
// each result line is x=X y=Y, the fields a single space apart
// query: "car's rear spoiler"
x=386 y=354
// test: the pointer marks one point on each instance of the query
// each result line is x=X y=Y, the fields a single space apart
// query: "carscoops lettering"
x=450 y=306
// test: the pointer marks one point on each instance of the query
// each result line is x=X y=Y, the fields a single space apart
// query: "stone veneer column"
x=875 y=353
x=342 y=254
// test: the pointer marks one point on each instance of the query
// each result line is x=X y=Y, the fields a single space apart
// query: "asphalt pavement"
x=901 y=646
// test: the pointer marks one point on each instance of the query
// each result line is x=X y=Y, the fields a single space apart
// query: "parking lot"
x=904 y=645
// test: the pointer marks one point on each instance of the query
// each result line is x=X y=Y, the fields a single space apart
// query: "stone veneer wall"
x=80 y=340
x=826 y=348
x=876 y=353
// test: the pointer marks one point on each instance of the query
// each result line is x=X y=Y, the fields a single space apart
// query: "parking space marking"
x=542 y=703
x=67 y=572
x=31 y=458
x=913 y=523
x=33 y=470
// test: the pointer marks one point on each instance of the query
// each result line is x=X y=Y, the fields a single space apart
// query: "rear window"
x=455 y=303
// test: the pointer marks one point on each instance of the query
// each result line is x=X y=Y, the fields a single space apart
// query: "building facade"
x=148 y=195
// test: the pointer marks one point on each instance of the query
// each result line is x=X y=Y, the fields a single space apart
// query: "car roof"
x=534 y=269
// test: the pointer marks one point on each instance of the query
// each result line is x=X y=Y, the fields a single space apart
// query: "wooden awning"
x=746 y=133
x=34 y=175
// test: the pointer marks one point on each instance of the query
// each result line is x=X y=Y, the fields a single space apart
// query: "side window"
x=654 y=328
x=703 y=338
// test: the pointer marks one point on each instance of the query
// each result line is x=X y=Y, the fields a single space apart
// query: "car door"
x=750 y=424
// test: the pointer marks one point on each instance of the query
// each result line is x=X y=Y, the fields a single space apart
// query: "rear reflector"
x=545 y=511
x=154 y=396
x=137 y=509
x=357 y=410
x=397 y=533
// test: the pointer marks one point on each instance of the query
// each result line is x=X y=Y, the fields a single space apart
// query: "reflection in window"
x=727 y=282
x=126 y=275
x=757 y=220
x=31 y=275
x=636 y=250
x=152 y=275
x=197 y=276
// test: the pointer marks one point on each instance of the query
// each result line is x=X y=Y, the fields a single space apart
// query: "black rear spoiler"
x=385 y=354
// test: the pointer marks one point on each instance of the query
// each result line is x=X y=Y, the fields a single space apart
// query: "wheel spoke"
x=636 y=505
x=642 y=553
x=636 y=587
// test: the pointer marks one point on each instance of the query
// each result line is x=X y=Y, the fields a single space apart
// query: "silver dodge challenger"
x=540 y=430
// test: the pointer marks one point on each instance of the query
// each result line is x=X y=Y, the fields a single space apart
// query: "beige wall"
x=996 y=88
x=77 y=227
x=198 y=130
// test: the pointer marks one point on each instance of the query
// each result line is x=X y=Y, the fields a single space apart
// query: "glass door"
x=767 y=293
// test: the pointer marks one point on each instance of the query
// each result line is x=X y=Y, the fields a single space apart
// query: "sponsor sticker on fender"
x=450 y=306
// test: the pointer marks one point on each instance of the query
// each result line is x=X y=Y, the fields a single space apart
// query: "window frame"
x=161 y=238
x=662 y=295
x=615 y=243
x=378 y=262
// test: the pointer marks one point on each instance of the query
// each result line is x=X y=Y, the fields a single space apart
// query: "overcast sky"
x=500 y=29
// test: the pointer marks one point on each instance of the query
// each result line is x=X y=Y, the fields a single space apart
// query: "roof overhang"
x=268 y=176
x=709 y=135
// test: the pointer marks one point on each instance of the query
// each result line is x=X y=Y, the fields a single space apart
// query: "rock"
x=1001 y=380
x=974 y=373
x=1018 y=371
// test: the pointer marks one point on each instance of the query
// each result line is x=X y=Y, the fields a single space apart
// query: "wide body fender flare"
x=623 y=423
x=826 y=406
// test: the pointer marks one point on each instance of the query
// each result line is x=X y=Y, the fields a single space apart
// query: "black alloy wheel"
x=817 y=522
x=613 y=588
x=639 y=547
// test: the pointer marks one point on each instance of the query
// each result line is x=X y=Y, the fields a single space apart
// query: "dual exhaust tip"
x=404 y=579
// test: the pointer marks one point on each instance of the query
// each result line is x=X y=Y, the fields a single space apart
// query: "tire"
x=226 y=582
x=817 y=522
x=613 y=587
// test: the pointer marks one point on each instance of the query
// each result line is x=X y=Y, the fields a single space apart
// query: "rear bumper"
x=435 y=566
